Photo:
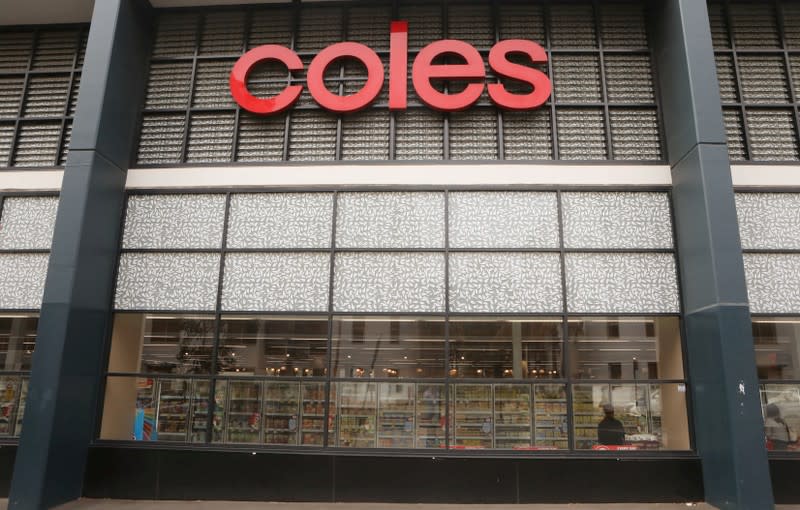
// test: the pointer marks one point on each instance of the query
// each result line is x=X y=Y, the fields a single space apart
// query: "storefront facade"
x=459 y=291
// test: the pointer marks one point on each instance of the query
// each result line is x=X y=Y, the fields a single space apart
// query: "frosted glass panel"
x=389 y=282
x=505 y=282
x=167 y=281
x=769 y=220
x=174 y=221
x=276 y=282
x=390 y=220
x=621 y=283
x=773 y=280
x=503 y=220
x=617 y=220
x=280 y=220
x=22 y=278
x=27 y=223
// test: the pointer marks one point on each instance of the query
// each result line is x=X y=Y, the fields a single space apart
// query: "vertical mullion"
x=25 y=83
x=445 y=115
x=607 y=117
x=447 y=416
x=187 y=121
x=565 y=357
x=788 y=66
x=69 y=97
x=345 y=11
x=740 y=94
x=329 y=375
x=546 y=19
x=500 y=140
x=248 y=22
x=212 y=385
x=292 y=46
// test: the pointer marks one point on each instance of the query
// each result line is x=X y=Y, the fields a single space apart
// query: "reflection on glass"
x=200 y=392
x=630 y=417
x=473 y=416
x=550 y=416
x=10 y=387
x=396 y=415
x=280 y=346
x=244 y=412
x=431 y=420
x=281 y=413
x=505 y=348
x=777 y=343
x=781 y=410
x=356 y=413
x=625 y=348
x=388 y=347
x=165 y=344
x=512 y=416
x=312 y=417
x=17 y=341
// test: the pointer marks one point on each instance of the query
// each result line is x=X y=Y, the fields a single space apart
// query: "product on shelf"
x=512 y=416
x=281 y=413
x=430 y=416
x=396 y=415
x=356 y=414
x=473 y=416
x=312 y=414
x=174 y=398
x=550 y=416
x=244 y=412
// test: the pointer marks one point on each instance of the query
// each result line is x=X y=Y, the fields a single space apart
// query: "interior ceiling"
x=35 y=12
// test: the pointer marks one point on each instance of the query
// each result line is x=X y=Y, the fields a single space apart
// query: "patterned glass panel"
x=276 y=282
x=260 y=138
x=791 y=23
x=753 y=25
x=522 y=21
x=473 y=134
x=176 y=35
x=174 y=221
x=210 y=137
x=27 y=223
x=773 y=136
x=634 y=134
x=212 y=88
x=389 y=282
x=528 y=135
x=390 y=220
x=46 y=96
x=505 y=219
x=161 y=139
x=427 y=23
x=576 y=79
x=622 y=25
x=769 y=221
x=581 y=134
x=22 y=278
x=572 y=26
x=719 y=25
x=167 y=281
x=6 y=140
x=365 y=135
x=272 y=26
x=621 y=283
x=280 y=220
x=15 y=50
x=763 y=79
x=312 y=136
x=168 y=85
x=319 y=27
x=420 y=135
x=726 y=74
x=471 y=23
x=223 y=32
x=505 y=283
x=616 y=220
x=56 y=49
x=367 y=25
x=734 y=127
x=11 y=88
x=629 y=79
x=772 y=282
x=38 y=144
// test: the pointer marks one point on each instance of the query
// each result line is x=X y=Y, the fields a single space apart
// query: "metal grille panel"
x=758 y=68
x=39 y=84
x=195 y=50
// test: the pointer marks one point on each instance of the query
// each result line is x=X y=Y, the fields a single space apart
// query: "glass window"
x=625 y=348
x=781 y=411
x=279 y=346
x=388 y=347
x=17 y=341
x=519 y=348
x=162 y=344
x=630 y=417
x=777 y=343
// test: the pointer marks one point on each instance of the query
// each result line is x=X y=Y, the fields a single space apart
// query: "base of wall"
x=785 y=474
x=147 y=473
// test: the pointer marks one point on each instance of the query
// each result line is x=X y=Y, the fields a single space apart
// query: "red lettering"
x=498 y=60
x=352 y=102
x=398 y=66
x=243 y=67
x=424 y=70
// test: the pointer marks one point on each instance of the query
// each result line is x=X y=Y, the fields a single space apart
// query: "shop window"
x=392 y=347
x=505 y=348
x=162 y=344
x=777 y=343
x=277 y=346
x=625 y=348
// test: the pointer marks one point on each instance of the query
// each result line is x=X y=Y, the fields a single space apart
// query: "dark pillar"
x=728 y=427
x=75 y=316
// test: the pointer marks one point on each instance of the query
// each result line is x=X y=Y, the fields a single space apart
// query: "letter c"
x=243 y=67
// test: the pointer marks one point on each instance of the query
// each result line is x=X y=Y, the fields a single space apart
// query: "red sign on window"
x=423 y=71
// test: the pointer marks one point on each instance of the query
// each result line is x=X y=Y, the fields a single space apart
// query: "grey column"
x=728 y=427
x=60 y=416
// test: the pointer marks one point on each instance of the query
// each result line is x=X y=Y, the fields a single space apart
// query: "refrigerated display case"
x=550 y=416
x=473 y=416
x=281 y=413
x=244 y=412
x=396 y=415
x=356 y=414
x=430 y=414
x=512 y=416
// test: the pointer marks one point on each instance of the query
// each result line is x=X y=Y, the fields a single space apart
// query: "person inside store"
x=779 y=434
x=610 y=430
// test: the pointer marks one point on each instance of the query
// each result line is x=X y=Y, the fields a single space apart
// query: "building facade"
x=409 y=301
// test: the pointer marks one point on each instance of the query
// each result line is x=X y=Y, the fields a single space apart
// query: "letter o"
x=243 y=67
x=352 y=102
